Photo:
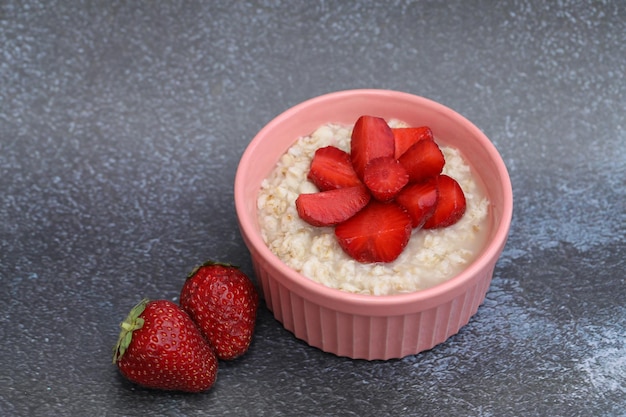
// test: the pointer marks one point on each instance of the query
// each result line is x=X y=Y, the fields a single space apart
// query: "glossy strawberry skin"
x=160 y=347
x=450 y=206
x=332 y=168
x=419 y=200
x=371 y=138
x=423 y=160
x=405 y=137
x=328 y=208
x=385 y=177
x=223 y=302
x=378 y=233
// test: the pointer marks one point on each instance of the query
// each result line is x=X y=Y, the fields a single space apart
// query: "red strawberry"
x=161 y=347
x=423 y=160
x=407 y=136
x=327 y=208
x=419 y=200
x=378 y=233
x=384 y=177
x=371 y=138
x=223 y=302
x=332 y=168
x=450 y=204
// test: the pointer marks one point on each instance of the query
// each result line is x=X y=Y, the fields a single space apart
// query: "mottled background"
x=121 y=125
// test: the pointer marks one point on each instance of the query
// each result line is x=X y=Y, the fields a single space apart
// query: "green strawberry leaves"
x=131 y=323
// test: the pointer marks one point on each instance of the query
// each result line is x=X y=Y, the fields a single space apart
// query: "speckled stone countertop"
x=121 y=126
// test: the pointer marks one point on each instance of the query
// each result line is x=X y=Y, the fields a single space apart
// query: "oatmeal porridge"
x=430 y=257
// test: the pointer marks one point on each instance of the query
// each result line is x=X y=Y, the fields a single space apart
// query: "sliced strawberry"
x=327 y=208
x=332 y=168
x=407 y=136
x=419 y=200
x=371 y=138
x=384 y=177
x=450 y=204
x=423 y=160
x=378 y=233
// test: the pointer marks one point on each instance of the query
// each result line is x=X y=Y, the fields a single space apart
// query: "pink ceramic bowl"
x=368 y=326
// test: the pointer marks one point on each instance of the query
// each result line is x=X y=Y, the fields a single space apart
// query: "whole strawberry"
x=161 y=347
x=223 y=302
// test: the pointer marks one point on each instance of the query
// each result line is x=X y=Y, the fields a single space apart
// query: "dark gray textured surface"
x=121 y=124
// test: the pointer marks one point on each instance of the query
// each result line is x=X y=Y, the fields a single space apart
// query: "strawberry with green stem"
x=160 y=347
